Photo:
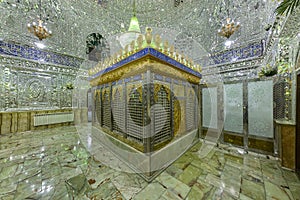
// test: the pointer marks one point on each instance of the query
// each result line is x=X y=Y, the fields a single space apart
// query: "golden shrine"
x=146 y=96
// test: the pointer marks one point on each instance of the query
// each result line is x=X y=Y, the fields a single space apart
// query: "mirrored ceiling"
x=191 y=25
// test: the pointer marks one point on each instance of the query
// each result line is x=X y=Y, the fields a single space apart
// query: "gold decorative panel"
x=158 y=96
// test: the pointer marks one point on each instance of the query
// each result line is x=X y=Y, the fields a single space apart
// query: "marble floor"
x=67 y=163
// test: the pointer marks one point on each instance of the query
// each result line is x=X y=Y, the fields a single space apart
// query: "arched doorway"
x=97 y=47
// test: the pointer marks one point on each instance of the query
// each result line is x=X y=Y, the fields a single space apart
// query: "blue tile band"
x=253 y=50
x=30 y=53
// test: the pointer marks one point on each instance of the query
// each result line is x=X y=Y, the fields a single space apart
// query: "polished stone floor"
x=68 y=163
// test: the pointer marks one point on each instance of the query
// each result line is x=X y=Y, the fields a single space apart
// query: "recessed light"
x=40 y=45
x=228 y=43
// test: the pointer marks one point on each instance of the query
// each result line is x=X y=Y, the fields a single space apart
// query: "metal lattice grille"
x=118 y=110
x=190 y=111
x=98 y=107
x=106 y=114
x=162 y=119
x=135 y=117
x=279 y=99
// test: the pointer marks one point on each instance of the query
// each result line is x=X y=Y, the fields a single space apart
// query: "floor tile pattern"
x=67 y=163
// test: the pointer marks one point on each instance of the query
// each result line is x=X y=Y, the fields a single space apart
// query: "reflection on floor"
x=68 y=162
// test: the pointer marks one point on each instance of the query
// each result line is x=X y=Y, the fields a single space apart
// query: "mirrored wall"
x=242 y=111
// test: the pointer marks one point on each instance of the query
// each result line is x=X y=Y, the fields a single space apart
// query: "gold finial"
x=148 y=35
x=157 y=41
x=183 y=61
x=105 y=61
x=115 y=58
x=188 y=61
x=166 y=47
x=132 y=46
x=171 y=51
x=139 y=42
x=121 y=54
x=182 y=58
x=199 y=68
x=126 y=50
x=177 y=55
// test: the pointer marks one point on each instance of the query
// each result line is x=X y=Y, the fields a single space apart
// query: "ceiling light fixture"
x=133 y=31
x=40 y=45
x=229 y=27
x=38 y=29
x=228 y=43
